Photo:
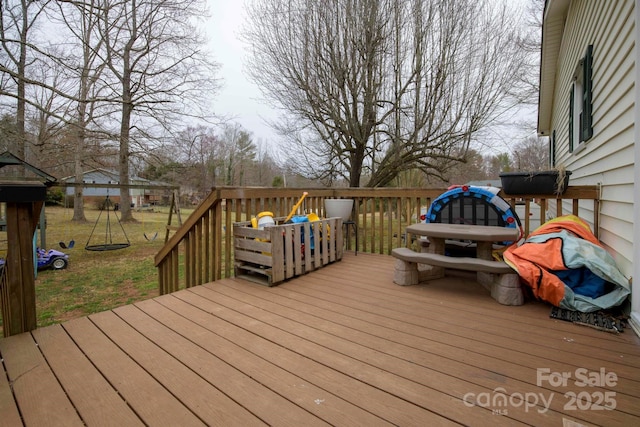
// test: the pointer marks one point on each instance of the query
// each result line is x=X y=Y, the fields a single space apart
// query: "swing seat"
x=71 y=244
x=107 y=247
x=151 y=238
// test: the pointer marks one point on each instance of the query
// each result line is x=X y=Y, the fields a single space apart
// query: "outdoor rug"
x=601 y=320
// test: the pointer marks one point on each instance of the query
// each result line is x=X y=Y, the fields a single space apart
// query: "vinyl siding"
x=607 y=158
x=103 y=177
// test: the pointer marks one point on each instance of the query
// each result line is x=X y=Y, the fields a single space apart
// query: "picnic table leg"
x=405 y=273
x=484 y=250
x=430 y=272
x=504 y=288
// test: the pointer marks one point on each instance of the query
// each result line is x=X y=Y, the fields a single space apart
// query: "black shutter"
x=552 y=150
x=586 y=130
x=571 y=106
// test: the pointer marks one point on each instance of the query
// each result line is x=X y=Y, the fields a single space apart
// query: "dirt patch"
x=68 y=315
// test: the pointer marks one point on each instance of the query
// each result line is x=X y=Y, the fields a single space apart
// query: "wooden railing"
x=17 y=280
x=201 y=251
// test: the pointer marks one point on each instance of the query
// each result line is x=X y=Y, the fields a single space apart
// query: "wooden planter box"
x=277 y=253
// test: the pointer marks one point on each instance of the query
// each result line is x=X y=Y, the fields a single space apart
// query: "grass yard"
x=97 y=281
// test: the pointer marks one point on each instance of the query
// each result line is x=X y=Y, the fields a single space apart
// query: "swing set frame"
x=108 y=245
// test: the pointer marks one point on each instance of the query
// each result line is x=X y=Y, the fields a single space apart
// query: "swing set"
x=174 y=208
x=108 y=244
x=122 y=241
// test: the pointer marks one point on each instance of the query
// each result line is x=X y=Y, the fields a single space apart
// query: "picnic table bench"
x=496 y=276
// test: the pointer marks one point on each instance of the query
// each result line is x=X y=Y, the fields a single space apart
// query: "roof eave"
x=555 y=13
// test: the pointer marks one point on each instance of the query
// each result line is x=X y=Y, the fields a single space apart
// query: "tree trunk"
x=78 y=199
x=21 y=89
x=123 y=164
x=125 y=132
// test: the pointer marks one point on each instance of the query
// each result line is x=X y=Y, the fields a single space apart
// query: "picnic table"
x=484 y=236
x=496 y=276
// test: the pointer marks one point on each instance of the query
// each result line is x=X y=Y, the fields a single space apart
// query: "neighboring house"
x=486 y=183
x=139 y=196
x=589 y=107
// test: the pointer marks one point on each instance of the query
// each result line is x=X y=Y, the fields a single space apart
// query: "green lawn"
x=97 y=281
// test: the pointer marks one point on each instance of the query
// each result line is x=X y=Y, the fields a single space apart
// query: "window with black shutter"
x=581 y=102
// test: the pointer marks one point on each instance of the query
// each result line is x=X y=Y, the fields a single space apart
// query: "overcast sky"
x=238 y=97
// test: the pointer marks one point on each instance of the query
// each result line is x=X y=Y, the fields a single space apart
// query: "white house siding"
x=635 y=291
x=608 y=157
x=99 y=176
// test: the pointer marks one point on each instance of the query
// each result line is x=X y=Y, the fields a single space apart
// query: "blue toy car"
x=53 y=259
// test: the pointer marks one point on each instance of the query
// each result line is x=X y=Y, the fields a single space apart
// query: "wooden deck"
x=339 y=346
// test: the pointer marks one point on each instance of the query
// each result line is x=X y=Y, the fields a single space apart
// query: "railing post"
x=24 y=204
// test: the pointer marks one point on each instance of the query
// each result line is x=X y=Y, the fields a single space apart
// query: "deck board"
x=197 y=395
x=259 y=359
x=282 y=349
x=342 y=345
x=199 y=350
x=503 y=332
x=443 y=369
x=95 y=399
x=150 y=399
x=34 y=384
x=400 y=369
x=442 y=373
x=8 y=408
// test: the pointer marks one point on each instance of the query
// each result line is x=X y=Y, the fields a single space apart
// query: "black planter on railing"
x=539 y=182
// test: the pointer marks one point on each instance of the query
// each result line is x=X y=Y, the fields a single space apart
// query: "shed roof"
x=7 y=158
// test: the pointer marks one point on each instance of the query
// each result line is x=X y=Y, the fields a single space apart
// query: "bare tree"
x=532 y=154
x=265 y=169
x=198 y=147
x=238 y=152
x=7 y=133
x=526 y=85
x=155 y=54
x=498 y=163
x=134 y=71
x=378 y=87
x=17 y=21
x=472 y=169
x=84 y=69
x=48 y=132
